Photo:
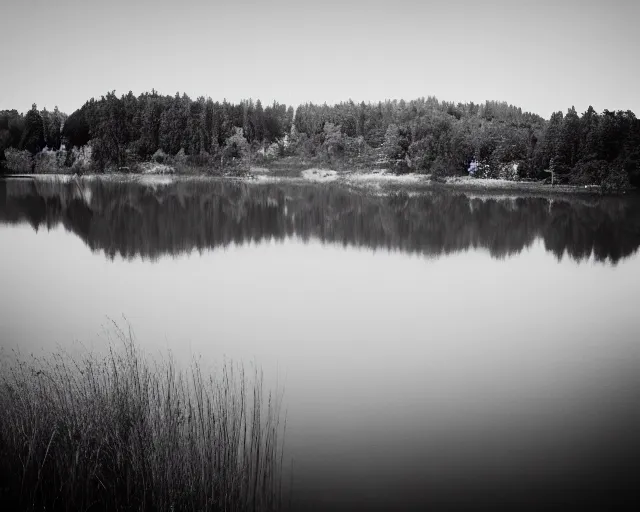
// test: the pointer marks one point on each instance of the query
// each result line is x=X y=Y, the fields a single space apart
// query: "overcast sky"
x=540 y=55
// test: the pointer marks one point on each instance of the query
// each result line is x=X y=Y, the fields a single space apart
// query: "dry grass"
x=125 y=432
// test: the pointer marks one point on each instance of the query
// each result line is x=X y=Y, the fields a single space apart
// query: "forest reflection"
x=136 y=219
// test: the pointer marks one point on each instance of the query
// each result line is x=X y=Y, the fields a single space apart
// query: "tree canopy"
x=423 y=135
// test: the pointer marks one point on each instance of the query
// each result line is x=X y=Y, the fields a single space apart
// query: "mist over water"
x=436 y=349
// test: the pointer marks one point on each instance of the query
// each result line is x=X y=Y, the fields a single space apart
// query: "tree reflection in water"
x=133 y=219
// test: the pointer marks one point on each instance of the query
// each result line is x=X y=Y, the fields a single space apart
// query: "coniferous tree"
x=76 y=131
x=55 y=129
x=569 y=140
x=258 y=121
x=33 y=139
x=588 y=135
x=552 y=141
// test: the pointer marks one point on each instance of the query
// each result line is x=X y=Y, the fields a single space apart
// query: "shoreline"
x=488 y=185
x=373 y=179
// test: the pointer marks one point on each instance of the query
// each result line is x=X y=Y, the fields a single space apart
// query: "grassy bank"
x=491 y=185
x=126 y=432
x=361 y=171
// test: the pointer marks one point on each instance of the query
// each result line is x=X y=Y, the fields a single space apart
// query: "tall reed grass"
x=127 y=432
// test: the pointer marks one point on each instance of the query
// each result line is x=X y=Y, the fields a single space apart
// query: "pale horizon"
x=542 y=57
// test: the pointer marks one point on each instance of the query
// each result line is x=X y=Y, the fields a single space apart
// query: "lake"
x=435 y=348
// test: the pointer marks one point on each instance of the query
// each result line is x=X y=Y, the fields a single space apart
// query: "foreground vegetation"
x=154 y=133
x=124 y=432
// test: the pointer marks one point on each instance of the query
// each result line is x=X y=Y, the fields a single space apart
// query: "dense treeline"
x=28 y=135
x=425 y=135
x=136 y=220
x=128 y=129
x=499 y=139
x=120 y=132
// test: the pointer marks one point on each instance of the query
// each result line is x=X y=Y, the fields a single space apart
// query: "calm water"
x=435 y=348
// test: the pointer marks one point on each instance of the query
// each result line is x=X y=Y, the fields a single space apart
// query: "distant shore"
x=495 y=185
x=360 y=178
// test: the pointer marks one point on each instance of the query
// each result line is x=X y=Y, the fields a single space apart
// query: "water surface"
x=435 y=348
